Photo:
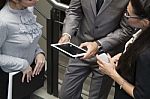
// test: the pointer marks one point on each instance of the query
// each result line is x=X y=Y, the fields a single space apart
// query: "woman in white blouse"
x=19 y=36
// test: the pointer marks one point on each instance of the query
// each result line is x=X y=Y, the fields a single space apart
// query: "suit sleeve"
x=9 y=63
x=142 y=78
x=73 y=17
x=118 y=38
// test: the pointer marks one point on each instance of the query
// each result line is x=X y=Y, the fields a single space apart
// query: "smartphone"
x=104 y=57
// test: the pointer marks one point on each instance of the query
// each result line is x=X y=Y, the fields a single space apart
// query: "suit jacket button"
x=96 y=27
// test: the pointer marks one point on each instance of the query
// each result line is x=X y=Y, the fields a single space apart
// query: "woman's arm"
x=9 y=63
x=109 y=69
x=39 y=61
x=127 y=87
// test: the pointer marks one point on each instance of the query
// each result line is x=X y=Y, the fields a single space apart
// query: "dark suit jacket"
x=139 y=77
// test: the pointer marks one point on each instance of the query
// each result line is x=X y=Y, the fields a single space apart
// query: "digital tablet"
x=70 y=49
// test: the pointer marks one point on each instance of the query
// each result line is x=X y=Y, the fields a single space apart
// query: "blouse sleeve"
x=39 y=50
x=3 y=33
x=142 y=78
x=9 y=63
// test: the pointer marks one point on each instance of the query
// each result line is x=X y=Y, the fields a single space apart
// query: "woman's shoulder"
x=3 y=27
x=2 y=20
x=3 y=14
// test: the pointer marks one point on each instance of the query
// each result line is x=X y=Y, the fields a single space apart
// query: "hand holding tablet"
x=70 y=49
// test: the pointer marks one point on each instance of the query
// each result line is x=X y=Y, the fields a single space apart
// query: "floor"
x=42 y=94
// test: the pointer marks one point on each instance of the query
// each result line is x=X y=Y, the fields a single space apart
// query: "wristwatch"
x=98 y=43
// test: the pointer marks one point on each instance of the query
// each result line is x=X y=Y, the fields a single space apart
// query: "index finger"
x=23 y=76
x=34 y=71
x=111 y=60
x=116 y=57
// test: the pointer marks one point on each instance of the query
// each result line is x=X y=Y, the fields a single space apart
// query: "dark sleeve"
x=142 y=78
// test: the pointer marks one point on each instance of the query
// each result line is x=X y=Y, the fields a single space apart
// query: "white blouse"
x=19 y=36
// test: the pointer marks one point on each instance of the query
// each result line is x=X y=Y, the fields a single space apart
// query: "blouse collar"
x=15 y=11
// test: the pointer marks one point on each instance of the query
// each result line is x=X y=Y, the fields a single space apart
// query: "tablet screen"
x=70 y=49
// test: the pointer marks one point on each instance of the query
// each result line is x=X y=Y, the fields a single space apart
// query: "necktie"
x=98 y=5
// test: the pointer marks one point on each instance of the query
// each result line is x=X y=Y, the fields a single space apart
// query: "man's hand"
x=39 y=61
x=92 y=48
x=64 y=38
x=27 y=73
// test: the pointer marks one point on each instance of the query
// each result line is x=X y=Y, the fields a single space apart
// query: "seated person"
x=19 y=36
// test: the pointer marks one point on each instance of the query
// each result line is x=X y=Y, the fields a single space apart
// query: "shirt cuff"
x=98 y=43
x=67 y=35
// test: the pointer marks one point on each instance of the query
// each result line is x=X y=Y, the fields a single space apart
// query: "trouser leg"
x=73 y=82
x=4 y=79
x=100 y=85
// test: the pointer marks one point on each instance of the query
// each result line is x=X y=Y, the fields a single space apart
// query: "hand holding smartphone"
x=104 y=57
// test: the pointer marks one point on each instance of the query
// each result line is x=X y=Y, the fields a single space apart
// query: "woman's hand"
x=116 y=58
x=27 y=73
x=39 y=61
x=106 y=68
